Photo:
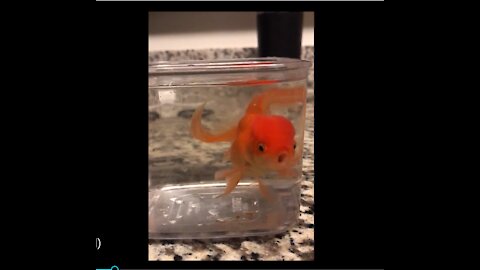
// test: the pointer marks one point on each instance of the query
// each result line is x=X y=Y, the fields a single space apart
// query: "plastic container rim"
x=239 y=65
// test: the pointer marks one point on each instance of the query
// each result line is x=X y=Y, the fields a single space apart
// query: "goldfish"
x=260 y=142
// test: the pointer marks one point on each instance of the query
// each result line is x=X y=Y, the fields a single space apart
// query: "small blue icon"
x=113 y=268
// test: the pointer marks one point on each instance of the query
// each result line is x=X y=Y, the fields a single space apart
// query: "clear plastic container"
x=189 y=148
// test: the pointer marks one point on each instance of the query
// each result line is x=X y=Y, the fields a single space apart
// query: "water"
x=183 y=193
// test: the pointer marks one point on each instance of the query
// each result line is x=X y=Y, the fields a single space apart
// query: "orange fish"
x=261 y=142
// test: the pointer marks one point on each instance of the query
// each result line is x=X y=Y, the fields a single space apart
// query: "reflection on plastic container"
x=225 y=147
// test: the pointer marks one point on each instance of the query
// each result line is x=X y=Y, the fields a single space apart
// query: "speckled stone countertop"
x=296 y=244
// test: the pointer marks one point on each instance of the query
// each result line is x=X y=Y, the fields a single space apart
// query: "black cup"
x=280 y=34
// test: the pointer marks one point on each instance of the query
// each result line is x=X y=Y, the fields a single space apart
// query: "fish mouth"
x=286 y=163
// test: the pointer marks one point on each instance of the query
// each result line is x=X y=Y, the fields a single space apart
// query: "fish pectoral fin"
x=264 y=190
x=232 y=182
x=221 y=174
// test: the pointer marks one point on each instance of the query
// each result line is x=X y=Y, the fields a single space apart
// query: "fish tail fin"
x=227 y=155
x=202 y=134
x=262 y=102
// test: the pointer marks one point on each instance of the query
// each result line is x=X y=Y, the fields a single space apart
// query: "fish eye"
x=294 y=146
x=261 y=148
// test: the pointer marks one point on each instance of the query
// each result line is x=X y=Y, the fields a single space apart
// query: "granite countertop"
x=295 y=244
